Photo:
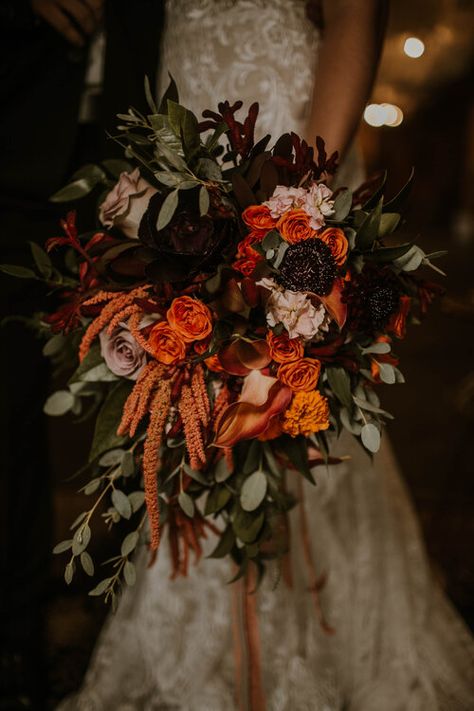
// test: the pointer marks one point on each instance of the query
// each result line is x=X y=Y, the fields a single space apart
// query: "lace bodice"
x=253 y=50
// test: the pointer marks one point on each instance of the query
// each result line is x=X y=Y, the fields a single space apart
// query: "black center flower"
x=372 y=296
x=308 y=266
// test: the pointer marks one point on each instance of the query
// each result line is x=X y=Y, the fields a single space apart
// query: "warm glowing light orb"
x=374 y=115
x=377 y=115
x=414 y=47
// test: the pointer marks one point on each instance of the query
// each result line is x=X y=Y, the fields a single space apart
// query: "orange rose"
x=244 y=248
x=284 y=349
x=301 y=375
x=246 y=265
x=337 y=242
x=165 y=344
x=190 y=318
x=294 y=226
x=258 y=217
x=397 y=323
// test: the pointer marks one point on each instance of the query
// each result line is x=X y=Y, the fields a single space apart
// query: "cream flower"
x=318 y=204
x=126 y=203
x=296 y=311
x=284 y=199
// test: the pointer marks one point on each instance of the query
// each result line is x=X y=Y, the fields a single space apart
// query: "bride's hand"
x=74 y=19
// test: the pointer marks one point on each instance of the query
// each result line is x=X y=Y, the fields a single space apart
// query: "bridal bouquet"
x=230 y=315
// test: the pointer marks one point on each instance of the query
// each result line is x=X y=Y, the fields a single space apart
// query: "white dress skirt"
x=397 y=643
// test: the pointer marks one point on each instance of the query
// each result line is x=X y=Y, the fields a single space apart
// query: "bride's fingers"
x=51 y=13
x=81 y=13
x=97 y=9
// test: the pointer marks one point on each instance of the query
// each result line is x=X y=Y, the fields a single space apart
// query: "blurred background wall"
x=421 y=114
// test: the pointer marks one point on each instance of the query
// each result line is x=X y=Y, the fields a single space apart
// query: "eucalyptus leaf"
x=54 y=345
x=42 y=260
x=388 y=223
x=129 y=543
x=18 y=271
x=225 y=544
x=75 y=190
x=129 y=573
x=59 y=403
x=91 y=487
x=370 y=438
x=112 y=458
x=203 y=200
x=194 y=474
x=340 y=383
x=127 y=468
x=247 y=525
x=186 y=503
x=62 y=547
x=81 y=539
x=92 y=359
x=121 y=503
x=69 y=572
x=387 y=373
x=380 y=347
x=296 y=449
x=101 y=587
x=253 y=491
x=368 y=231
x=222 y=471
x=365 y=405
x=167 y=210
x=347 y=422
x=137 y=499
x=342 y=205
x=87 y=563
x=209 y=169
x=217 y=498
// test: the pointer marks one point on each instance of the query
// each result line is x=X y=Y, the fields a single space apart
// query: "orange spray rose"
x=258 y=217
x=190 y=318
x=337 y=242
x=294 y=226
x=166 y=345
x=301 y=375
x=284 y=349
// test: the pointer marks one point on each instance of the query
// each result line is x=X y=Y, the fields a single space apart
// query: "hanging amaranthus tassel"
x=117 y=308
x=195 y=412
x=222 y=400
x=159 y=411
x=138 y=402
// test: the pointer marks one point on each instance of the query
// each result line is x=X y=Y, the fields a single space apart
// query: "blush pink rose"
x=126 y=203
x=123 y=355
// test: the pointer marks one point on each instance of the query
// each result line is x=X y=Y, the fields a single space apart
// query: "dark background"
x=49 y=629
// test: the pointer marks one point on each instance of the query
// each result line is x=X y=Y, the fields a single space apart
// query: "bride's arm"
x=348 y=59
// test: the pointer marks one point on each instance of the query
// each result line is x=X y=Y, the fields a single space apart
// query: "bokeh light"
x=414 y=47
x=377 y=115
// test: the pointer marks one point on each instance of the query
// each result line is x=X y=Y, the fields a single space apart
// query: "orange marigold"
x=308 y=413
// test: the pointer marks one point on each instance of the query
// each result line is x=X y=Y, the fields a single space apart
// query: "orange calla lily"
x=262 y=399
x=334 y=304
x=241 y=357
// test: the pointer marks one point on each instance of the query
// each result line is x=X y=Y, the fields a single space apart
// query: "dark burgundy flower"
x=191 y=243
x=308 y=266
x=372 y=297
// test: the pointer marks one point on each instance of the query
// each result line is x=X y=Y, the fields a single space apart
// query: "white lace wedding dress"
x=398 y=645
